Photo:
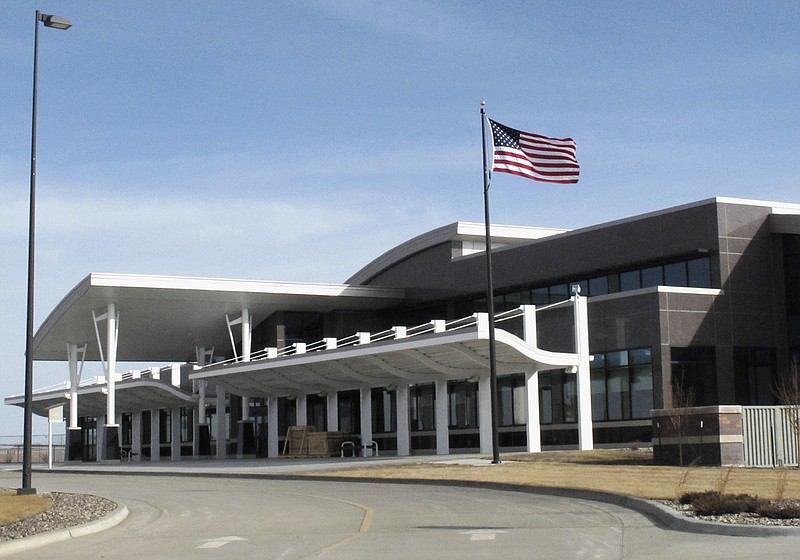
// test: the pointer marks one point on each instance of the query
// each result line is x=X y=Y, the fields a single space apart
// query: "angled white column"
x=403 y=432
x=109 y=449
x=585 y=438
x=366 y=419
x=272 y=427
x=485 y=412
x=442 y=419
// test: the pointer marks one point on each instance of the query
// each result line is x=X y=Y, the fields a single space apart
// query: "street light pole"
x=56 y=23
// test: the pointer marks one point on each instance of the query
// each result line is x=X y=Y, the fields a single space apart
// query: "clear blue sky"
x=299 y=140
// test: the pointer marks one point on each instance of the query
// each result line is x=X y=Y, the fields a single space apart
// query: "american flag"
x=551 y=160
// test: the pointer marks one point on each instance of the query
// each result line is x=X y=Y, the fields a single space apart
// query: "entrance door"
x=89 y=437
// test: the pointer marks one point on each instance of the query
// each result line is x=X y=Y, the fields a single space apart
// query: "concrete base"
x=111 y=440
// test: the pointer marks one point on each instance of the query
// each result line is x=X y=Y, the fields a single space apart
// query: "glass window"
x=422 y=399
x=675 y=274
x=570 y=393
x=598 y=382
x=641 y=356
x=545 y=399
x=317 y=412
x=384 y=411
x=559 y=293
x=540 y=296
x=618 y=388
x=165 y=426
x=642 y=391
x=699 y=273
x=652 y=276
x=463 y=404
x=616 y=359
x=629 y=281
x=598 y=286
x=350 y=411
x=512 y=401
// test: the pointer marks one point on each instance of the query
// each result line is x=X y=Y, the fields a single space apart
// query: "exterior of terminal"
x=596 y=327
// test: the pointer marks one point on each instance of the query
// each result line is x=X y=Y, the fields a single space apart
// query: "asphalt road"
x=197 y=517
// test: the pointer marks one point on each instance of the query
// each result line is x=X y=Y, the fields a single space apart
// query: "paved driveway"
x=196 y=517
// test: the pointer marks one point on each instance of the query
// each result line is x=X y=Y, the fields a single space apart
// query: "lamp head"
x=54 y=21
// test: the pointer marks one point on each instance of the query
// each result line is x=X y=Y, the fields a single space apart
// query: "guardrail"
x=435 y=326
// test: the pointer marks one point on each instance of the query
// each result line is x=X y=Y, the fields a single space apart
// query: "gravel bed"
x=738 y=518
x=68 y=510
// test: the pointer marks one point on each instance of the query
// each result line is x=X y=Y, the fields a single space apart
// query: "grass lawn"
x=14 y=508
x=617 y=471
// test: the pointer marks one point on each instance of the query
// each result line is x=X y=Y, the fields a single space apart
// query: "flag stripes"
x=537 y=157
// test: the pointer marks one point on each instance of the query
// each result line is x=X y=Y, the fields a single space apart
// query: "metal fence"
x=770 y=435
x=11 y=449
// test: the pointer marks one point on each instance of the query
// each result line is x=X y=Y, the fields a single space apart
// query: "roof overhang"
x=459 y=354
x=163 y=318
x=131 y=396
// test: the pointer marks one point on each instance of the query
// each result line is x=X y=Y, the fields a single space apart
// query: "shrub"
x=715 y=503
x=779 y=511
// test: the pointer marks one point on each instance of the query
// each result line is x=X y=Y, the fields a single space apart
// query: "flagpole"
x=490 y=296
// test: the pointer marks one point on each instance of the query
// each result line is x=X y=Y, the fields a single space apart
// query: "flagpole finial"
x=483 y=103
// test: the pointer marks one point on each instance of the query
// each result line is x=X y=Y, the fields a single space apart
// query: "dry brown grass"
x=14 y=507
x=620 y=472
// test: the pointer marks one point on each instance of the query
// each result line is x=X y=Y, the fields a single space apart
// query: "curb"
x=35 y=541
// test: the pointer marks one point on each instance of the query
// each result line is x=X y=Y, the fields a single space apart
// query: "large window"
x=558 y=397
x=422 y=400
x=384 y=411
x=622 y=385
x=512 y=401
x=317 y=412
x=463 y=404
x=694 y=371
x=754 y=372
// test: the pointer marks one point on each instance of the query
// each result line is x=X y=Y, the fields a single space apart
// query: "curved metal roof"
x=163 y=318
x=131 y=396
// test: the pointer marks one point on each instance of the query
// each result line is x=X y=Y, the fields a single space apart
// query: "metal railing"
x=359 y=338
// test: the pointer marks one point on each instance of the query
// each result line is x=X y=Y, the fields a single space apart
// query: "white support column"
x=111 y=364
x=201 y=402
x=333 y=411
x=585 y=438
x=485 y=412
x=534 y=428
x=366 y=418
x=442 y=419
x=247 y=344
x=272 y=427
x=403 y=432
x=175 y=438
x=75 y=372
x=221 y=424
x=136 y=436
x=301 y=410
x=155 y=435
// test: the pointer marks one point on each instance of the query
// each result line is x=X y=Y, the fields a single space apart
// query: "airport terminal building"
x=595 y=328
